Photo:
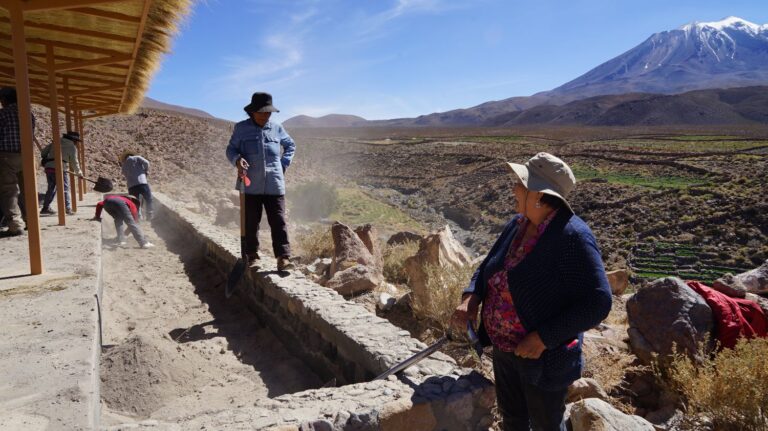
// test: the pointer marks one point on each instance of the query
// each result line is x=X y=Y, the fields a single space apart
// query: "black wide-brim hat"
x=260 y=102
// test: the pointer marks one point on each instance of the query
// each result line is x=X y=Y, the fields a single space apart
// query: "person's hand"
x=242 y=166
x=466 y=311
x=531 y=347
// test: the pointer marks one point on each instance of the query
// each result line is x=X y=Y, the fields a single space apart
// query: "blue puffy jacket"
x=268 y=150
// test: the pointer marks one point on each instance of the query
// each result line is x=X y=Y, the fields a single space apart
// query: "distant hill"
x=156 y=104
x=729 y=53
x=332 y=120
x=701 y=107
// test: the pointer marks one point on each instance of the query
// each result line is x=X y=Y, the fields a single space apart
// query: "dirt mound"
x=143 y=375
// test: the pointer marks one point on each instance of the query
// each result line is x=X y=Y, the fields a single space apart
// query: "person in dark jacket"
x=123 y=209
x=541 y=286
x=262 y=150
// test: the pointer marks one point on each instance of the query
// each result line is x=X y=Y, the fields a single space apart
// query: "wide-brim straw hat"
x=125 y=154
x=547 y=174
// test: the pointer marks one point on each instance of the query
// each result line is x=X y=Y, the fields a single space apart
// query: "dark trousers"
x=122 y=214
x=146 y=192
x=275 y=209
x=523 y=406
x=50 y=193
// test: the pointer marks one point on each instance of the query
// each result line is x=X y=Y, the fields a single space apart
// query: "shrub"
x=444 y=286
x=730 y=388
x=313 y=201
x=317 y=243
x=394 y=260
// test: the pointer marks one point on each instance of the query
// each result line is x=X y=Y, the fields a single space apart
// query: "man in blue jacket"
x=263 y=150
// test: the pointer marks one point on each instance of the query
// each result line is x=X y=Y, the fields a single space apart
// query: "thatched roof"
x=105 y=51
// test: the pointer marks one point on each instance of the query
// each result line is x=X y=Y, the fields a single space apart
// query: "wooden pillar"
x=68 y=117
x=29 y=166
x=56 y=135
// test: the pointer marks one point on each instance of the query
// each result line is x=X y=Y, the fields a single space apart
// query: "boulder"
x=762 y=302
x=619 y=280
x=585 y=388
x=437 y=249
x=403 y=237
x=595 y=414
x=354 y=280
x=737 y=286
x=385 y=302
x=348 y=250
x=368 y=235
x=665 y=313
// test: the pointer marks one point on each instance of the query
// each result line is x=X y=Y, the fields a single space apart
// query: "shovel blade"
x=235 y=276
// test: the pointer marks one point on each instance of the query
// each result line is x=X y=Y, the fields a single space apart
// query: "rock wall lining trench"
x=339 y=340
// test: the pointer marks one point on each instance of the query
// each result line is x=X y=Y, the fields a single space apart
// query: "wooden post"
x=68 y=117
x=56 y=135
x=21 y=71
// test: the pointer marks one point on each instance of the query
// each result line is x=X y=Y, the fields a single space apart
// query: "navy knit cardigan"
x=560 y=290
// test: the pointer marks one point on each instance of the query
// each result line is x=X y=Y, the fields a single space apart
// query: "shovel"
x=471 y=335
x=236 y=275
x=101 y=185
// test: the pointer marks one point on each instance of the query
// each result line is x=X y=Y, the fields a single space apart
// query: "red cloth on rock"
x=734 y=317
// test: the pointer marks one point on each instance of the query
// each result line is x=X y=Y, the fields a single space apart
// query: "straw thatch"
x=121 y=43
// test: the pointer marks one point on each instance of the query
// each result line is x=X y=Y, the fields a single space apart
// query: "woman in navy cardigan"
x=541 y=286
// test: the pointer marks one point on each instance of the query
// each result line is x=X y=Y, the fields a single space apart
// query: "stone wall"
x=338 y=340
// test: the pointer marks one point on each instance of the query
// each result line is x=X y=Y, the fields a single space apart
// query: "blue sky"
x=402 y=58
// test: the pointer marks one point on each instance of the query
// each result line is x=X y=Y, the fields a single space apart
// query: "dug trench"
x=173 y=346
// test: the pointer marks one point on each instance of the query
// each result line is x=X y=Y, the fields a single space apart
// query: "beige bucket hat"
x=548 y=174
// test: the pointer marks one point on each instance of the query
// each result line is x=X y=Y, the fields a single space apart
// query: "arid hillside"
x=660 y=200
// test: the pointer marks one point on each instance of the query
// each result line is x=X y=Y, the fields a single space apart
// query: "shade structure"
x=107 y=51
x=91 y=57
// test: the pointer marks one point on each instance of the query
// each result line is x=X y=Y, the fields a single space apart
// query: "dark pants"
x=275 y=209
x=50 y=193
x=523 y=406
x=143 y=190
x=122 y=214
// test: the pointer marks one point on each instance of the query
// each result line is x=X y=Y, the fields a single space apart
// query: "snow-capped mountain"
x=728 y=53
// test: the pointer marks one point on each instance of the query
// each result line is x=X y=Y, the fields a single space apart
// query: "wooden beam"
x=96 y=62
x=74 y=46
x=25 y=128
x=106 y=14
x=92 y=90
x=8 y=51
x=37 y=5
x=71 y=58
x=139 y=33
x=74 y=30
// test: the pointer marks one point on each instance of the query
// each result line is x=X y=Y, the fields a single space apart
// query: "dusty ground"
x=175 y=347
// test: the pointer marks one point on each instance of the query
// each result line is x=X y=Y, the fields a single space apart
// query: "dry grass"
x=444 y=286
x=394 y=261
x=317 y=243
x=729 y=389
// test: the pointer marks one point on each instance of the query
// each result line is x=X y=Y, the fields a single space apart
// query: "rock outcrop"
x=354 y=269
x=665 y=313
x=437 y=249
x=595 y=414
x=619 y=280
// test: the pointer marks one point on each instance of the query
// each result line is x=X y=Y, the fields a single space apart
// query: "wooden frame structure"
x=85 y=58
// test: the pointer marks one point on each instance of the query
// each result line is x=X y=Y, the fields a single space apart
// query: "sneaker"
x=147 y=245
x=122 y=243
x=70 y=212
x=9 y=233
x=47 y=211
x=284 y=263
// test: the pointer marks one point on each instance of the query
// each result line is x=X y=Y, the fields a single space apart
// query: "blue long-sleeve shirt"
x=560 y=290
x=268 y=151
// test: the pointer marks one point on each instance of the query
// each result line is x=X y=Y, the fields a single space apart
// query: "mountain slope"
x=158 y=105
x=700 y=107
x=332 y=120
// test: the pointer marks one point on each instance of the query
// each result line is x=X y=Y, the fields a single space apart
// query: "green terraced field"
x=634 y=179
